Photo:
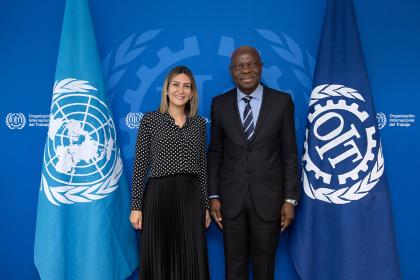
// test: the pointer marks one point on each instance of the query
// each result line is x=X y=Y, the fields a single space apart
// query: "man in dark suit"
x=252 y=161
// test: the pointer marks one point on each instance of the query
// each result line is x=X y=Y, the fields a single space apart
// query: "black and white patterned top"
x=163 y=148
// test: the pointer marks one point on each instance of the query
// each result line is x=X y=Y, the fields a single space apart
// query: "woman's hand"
x=208 y=219
x=136 y=219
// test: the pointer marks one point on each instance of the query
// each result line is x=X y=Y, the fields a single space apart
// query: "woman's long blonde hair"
x=191 y=107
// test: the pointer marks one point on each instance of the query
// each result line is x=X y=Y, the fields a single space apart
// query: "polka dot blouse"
x=163 y=148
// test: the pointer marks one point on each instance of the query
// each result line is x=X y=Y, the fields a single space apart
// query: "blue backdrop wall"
x=139 y=41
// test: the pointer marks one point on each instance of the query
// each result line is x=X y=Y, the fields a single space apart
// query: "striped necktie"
x=248 y=121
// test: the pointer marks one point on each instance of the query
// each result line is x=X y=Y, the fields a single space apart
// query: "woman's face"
x=180 y=90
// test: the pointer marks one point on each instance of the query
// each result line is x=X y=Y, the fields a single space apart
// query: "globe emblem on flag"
x=343 y=158
x=81 y=159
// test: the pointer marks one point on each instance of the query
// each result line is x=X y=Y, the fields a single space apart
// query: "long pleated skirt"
x=172 y=243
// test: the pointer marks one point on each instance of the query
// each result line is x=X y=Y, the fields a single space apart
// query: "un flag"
x=82 y=229
x=343 y=228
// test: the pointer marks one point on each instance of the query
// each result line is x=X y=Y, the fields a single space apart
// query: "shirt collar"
x=256 y=94
x=169 y=118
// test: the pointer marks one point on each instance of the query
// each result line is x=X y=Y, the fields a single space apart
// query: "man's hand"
x=136 y=219
x=215 y=211
x=287 y=215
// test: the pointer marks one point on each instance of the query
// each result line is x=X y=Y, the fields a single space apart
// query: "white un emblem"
x=343 y=159
x=81 y=159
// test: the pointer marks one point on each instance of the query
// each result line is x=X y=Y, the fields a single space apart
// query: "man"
x=252 y=159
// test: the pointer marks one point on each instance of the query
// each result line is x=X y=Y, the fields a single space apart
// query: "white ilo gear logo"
x=15 y=120
x=336 y=138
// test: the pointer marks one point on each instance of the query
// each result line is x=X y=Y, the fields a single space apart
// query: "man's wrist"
x=294 y=202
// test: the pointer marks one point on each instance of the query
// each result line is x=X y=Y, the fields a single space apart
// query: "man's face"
x=246 y=68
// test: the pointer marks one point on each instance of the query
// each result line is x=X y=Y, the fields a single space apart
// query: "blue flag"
x=82 y=229
x=343 y=228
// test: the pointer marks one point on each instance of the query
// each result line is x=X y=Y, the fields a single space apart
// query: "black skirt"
x=173 y=245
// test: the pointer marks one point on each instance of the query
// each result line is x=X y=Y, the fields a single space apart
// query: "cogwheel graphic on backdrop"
x=122 y=62
x=331 y=142
x=117 y=62
x=147 y=76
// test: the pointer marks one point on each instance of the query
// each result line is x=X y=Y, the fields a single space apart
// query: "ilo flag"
x=343 y=228
x=82 y=228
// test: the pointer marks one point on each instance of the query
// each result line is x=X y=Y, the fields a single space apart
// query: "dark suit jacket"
x=266 y=166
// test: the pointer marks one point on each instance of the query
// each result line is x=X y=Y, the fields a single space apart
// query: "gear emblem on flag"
x=341 y=152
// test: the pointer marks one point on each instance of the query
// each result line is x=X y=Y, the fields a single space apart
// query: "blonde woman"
x=169 y=194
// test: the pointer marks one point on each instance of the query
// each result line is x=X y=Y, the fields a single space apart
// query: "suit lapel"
x=233 y=106
x=263 y=111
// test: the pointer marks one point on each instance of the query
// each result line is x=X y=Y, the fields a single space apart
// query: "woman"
x=172 y=211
